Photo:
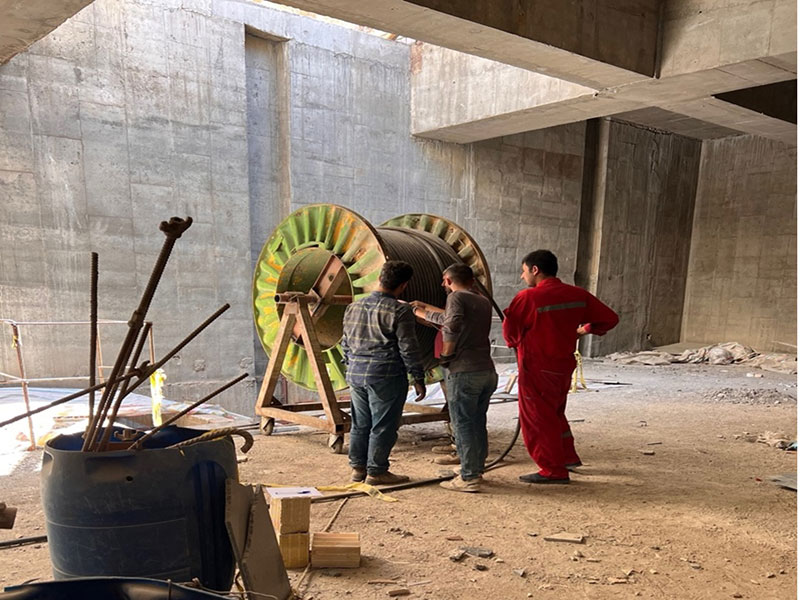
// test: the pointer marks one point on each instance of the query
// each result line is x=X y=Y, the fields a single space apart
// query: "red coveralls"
x=541 y=323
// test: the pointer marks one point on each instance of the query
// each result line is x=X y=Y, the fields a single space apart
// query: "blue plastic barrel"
x=157 y=512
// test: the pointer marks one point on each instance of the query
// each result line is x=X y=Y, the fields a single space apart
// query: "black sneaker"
x=536 y=478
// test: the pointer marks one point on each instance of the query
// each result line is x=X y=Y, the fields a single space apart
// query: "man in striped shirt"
x=380 y=349
x=543 y=322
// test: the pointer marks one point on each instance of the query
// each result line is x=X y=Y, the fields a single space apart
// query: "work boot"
x=451 y=459
x=457 y=484
x=449 y=449
x=359 y=474
x=457 y=471
x=387 y=478
x=537 y=478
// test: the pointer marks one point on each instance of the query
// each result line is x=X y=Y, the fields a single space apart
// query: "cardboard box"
x=291 y=514
x=338 y=550
x=294 y=549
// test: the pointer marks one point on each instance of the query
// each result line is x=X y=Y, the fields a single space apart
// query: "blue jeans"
x=468 y=400
x=375 y=411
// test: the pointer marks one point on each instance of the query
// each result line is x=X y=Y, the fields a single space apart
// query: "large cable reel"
x=331 y=248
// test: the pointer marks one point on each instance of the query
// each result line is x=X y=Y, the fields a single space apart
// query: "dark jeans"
x=468 y=400
x=375 y=411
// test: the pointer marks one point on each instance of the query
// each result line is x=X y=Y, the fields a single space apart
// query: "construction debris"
x=8 y=515
x=399 y=592
x=756 y=397
x=570 y=538
x=478 y=551
x=717 y=354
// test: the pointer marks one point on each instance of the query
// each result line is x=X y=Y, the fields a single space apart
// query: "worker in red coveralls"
x=543 y=323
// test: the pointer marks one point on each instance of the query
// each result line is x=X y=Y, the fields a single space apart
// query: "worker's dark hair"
x=460 y=273
x=544 y=259
x=395 y=273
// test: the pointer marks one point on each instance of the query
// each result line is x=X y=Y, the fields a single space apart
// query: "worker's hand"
x=419 y=387
x=582 y=331
x=419 y=305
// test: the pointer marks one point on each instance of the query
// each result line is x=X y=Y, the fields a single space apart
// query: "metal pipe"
x=18 y=345
x=138 y=443
x=23 y=541
x=93 y=333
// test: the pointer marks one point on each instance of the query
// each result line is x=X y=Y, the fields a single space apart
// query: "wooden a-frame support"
x=297 y=317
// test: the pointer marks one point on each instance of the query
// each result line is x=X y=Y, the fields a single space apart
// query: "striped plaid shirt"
x=379 y=340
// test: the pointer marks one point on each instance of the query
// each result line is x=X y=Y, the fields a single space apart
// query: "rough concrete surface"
x=742 y=278
x=698 y=519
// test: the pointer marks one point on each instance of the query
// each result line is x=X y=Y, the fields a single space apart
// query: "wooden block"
x=294 y=549
x=291 y=514
x=338 y=550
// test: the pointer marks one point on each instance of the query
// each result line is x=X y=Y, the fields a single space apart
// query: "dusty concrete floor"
x=699 y=519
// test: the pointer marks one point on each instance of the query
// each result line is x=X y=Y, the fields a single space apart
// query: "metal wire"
x=428 y=255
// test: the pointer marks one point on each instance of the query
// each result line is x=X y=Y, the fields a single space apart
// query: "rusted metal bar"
x=147 y=370
x=172 y=229
x=287 y=297
x=152 y=345
x=138 y=443
x=93 y=333
x=18 y=345
x=115 y=409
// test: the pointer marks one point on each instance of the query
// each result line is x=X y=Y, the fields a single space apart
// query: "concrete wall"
x=127 y=114
x=649 y=192
x=742 y=282
x=133 y=111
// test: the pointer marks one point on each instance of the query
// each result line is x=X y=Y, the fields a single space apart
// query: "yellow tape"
x=369 y=490
x=577 y=375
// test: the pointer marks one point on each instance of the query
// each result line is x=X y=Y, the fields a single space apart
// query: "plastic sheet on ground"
x=717 y=354
x=71 y=417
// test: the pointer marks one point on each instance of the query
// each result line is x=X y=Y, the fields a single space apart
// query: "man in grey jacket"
x=471 y=377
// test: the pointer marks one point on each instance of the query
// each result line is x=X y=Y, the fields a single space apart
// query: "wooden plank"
x=423 y=408
x=324 y=386
x=570 y=538
x=424 y=418
x=299 y=418
x=267 y=391
x=311 y=406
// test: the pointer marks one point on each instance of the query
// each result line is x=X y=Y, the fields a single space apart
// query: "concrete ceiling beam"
x=23 y=23
x=739 y=118
x=499 y=34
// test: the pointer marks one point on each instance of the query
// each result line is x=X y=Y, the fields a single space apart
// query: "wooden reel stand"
x=301 y=311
